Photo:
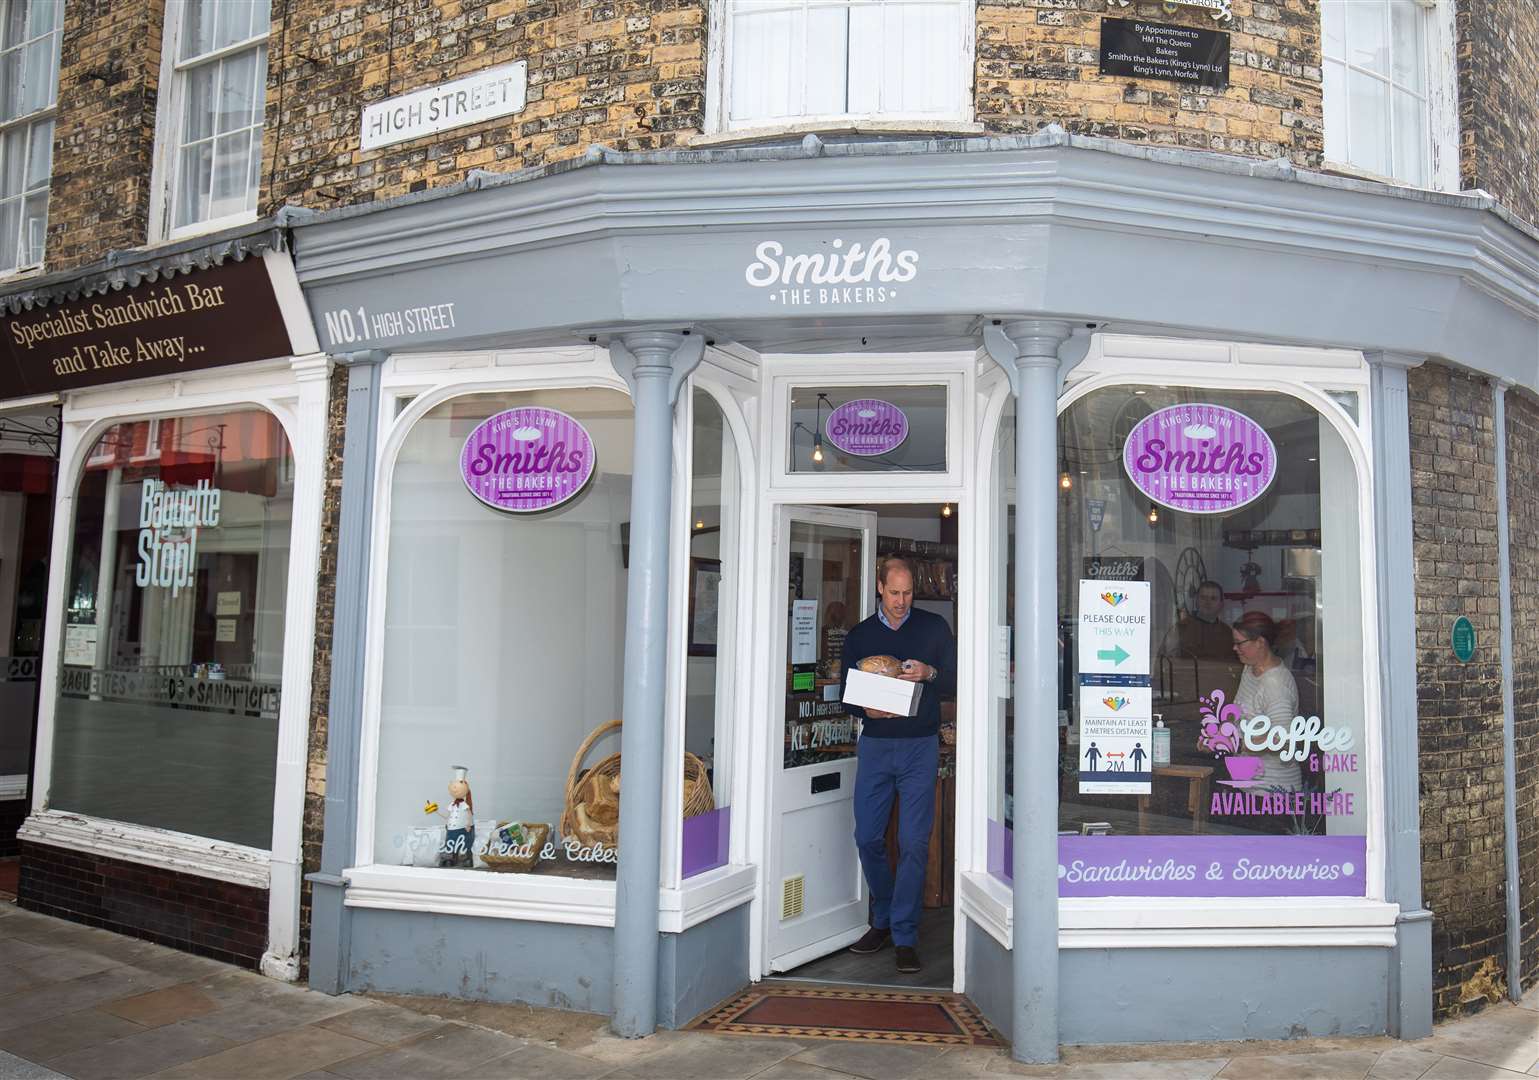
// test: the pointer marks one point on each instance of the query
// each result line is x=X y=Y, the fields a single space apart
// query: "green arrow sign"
x=1116 y=654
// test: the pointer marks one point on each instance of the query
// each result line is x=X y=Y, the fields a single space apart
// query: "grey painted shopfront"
x=1026 y=276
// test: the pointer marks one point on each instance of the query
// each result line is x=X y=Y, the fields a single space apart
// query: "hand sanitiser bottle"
x=1161 y=755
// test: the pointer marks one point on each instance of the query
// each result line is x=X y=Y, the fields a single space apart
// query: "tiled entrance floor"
x=84 y=1003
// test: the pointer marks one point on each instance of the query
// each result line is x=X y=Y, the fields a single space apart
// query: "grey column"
x=1509 y=733
x=1028 y=351
x=654 y=364
x=1410 y=1013
x=330 y=940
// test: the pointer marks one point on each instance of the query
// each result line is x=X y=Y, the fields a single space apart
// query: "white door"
x=817 y=903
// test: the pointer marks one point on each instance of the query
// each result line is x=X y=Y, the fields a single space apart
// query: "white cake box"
x=897 y=696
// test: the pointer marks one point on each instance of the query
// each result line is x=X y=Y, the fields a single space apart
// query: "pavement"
x=88 y=1004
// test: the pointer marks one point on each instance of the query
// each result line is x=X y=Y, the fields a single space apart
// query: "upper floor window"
x=29 y=96
x=1386 y=66
x=211 y=138
x=786 y=61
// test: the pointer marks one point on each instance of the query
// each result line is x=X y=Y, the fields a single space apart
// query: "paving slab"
x=1327 y=1065
x=1503 y=1036
x=1457 y=1069
x=1403 y=1063
x=160 y=1007
x=711 y=1057
x=147 y=1052
x=31 y=1006
x=384 y=1025
x=278 y=1057
x=1175 y=1069
x=548 y=1063
x=64 y=1034
x=791 y=1069
x=449 y=1050
x=875 y=1061
x=15 y=1068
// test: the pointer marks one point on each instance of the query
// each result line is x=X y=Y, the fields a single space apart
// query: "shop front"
x=175 y=603
x=626 y=444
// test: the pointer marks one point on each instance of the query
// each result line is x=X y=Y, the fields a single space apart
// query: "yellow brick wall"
x=1038 y=63
x=626 y=73
x=109 y=71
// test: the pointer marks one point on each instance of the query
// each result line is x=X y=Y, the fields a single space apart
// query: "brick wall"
x=109 y=70
x=626 y=73
x=1038 y=63
x=325 y=622
x=1453 y=501
x=1498 y=109
x=195 y=914
x=1523 y=518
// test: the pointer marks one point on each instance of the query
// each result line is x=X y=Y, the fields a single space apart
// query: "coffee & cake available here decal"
x=527 y=460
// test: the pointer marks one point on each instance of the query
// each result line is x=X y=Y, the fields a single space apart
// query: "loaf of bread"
x=881 y=665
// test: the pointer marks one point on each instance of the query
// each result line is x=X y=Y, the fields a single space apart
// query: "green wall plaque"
x=1463 y=637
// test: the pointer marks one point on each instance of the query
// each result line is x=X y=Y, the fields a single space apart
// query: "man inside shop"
x=896 y=758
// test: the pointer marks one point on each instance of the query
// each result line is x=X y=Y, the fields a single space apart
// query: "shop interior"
x=926 y=534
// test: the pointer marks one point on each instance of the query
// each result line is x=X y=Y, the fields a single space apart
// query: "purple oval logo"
x=867 y=427
x=1203 y=459
x=529 y=459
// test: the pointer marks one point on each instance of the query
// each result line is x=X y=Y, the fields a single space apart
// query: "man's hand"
x=915 y=671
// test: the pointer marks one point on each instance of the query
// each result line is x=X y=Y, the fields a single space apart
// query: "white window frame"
x=1440 y=70
x=719 y=83
x=170 y=117
x=48 y=113
x=410 y=386
x=294 y=391
x=1309 y=375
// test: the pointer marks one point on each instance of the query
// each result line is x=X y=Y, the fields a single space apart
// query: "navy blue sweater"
x=925 y=636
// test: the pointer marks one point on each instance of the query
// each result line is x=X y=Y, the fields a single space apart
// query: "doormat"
x=891 y=1016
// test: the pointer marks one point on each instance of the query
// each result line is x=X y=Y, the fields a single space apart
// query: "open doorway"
x=831 y=556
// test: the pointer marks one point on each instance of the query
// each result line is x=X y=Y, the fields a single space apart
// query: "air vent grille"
x=791 y=898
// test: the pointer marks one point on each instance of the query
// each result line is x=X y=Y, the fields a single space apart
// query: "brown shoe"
x=908 y=959
x=874 y=942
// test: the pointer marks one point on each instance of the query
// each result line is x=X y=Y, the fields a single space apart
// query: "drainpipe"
x=654 y=364
x=1509 y=748
x=1410 y=982
x=1027 y=349
x=330 y=937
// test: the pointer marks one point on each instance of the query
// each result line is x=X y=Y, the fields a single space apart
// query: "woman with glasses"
x=1267 y=688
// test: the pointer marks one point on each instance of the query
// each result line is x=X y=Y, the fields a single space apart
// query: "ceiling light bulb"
x=1154 y=515
x=946 y=510
x=1064 y=482
x=817 y=452
x=699 y=524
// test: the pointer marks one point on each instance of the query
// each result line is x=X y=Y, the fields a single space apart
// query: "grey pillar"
x=654 y=364
x=329 y=937
x=1410 y=1013
x=1509 y=734
x=1028 y=351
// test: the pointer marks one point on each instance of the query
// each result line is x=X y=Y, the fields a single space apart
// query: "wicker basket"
x=592 y=813
x=538 y=833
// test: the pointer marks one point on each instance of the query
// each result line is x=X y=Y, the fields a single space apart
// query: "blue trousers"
x=903 y=769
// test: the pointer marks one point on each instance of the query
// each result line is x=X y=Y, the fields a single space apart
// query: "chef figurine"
x=461 y=833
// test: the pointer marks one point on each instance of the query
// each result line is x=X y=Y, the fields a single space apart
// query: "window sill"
x=1352 y=172
x=141 y=844
x=1136 y=922
x=540 y=898
x=213 y=225
x=836 y=127
x=21 y=273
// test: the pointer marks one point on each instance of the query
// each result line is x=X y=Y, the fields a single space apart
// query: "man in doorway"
x=1201 y=634
x=896 y=758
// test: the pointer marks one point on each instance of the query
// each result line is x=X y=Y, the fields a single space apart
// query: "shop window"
x=1211 y=627
x=212 y=141
x=1000 y=806
x=1383 y=67
x=793 y=60
x=29 y=97
x=867 y=429
x=504 y=635
x=167 y=714
x=708 y=681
